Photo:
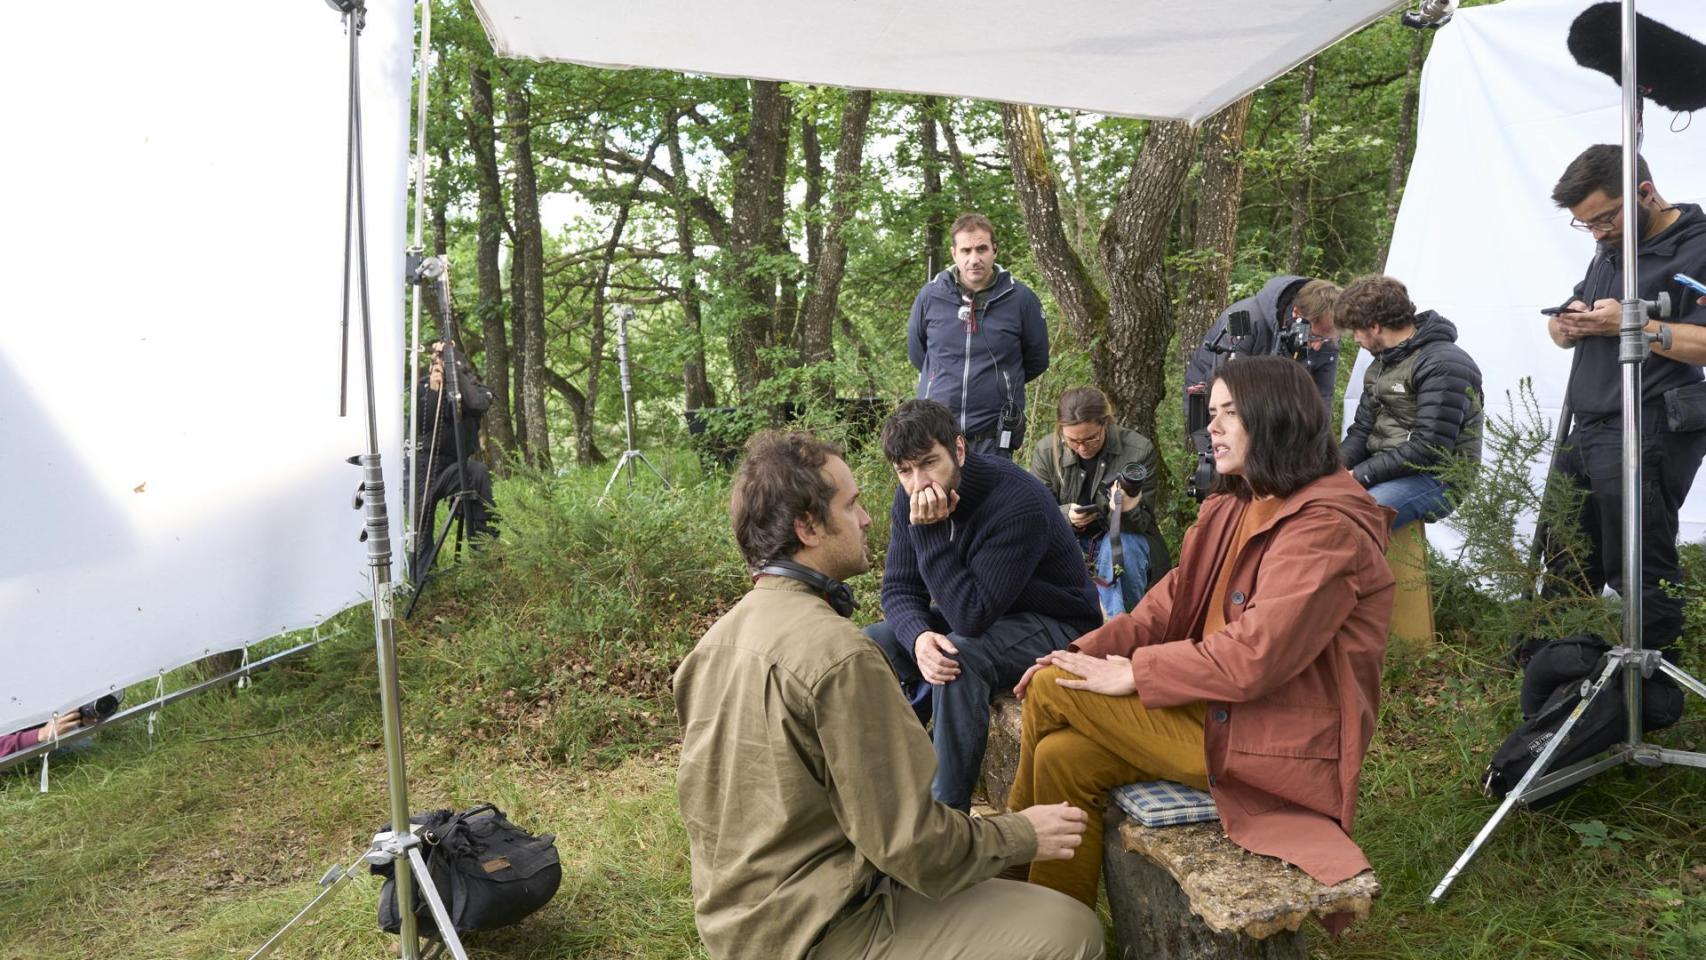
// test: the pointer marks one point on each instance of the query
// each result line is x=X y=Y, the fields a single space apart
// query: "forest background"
x=770 y=238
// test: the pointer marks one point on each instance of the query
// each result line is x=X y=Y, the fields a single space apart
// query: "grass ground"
x=536 y=677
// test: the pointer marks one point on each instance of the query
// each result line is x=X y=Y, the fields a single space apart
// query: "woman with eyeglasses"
x=1252 y=670
x=1083 y=461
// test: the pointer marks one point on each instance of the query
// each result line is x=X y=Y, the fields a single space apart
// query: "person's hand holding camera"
x=59 y=726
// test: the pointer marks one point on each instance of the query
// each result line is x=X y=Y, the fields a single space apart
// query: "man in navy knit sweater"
x=983 y=577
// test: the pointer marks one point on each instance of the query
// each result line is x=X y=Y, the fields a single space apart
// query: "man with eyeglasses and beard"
x=1672 y=240
x=977 y=336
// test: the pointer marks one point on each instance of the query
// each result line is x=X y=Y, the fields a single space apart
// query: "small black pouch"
x=1685 y=408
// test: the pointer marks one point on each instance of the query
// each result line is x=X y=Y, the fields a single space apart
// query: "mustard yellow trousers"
x=1077 y=745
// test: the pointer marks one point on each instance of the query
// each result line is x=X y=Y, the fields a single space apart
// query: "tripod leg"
x=424 y=574
x=659 y=473
x=1518 y=793
x=440 y=916
x=1681 y=676
x=614 y=474
x=330 y=883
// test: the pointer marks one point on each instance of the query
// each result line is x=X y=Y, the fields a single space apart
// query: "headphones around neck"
x=838 y=595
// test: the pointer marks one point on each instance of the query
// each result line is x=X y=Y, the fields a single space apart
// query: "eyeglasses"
x=1091 y=441
x=1606 y=222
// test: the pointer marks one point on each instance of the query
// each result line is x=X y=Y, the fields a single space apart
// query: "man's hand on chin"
x=932 y=504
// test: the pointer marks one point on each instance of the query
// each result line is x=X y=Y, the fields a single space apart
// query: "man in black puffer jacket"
x=1421 y=400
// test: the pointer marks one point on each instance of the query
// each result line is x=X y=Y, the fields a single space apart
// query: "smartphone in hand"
x=1691 y=283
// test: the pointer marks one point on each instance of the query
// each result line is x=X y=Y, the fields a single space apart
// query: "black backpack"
x=489 y=872
x=1553 y=683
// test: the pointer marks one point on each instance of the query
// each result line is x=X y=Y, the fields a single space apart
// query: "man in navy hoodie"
x=977 y=336
x=984 y=575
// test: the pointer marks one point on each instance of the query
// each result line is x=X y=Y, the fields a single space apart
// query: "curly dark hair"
x=1375 y=298
x=780 y=480
x=1291 y=443
x=915 y=427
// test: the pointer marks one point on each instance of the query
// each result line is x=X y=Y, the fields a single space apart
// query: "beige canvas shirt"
x=804 y=775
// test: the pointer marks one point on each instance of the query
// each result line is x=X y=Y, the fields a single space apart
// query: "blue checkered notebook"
x=1163 y=803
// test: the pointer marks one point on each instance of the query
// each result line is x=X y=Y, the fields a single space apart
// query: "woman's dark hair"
x=1291 y=443
x=780 y=481
x=1083 y=405
x=915 y=428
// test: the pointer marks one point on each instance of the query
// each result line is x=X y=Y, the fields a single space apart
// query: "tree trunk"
x=1215 y=234
x=1128 y=341
x=817 y=343
x=811 y=155
x=756 y=213
x=1082 y=305
x=518 y=346
x=577 y=405
x=1406 y=143
x=1131 y=362
x=696 y=386
x=530 y=259
x=586 y=447
x=956 y=159
x=1301 y=186
x=482 y=141
x=930 y=160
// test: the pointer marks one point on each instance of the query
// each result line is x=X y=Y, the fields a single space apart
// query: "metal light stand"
x=1630 y=662
x=623 y=315
x=436 y=271
x=400 y=840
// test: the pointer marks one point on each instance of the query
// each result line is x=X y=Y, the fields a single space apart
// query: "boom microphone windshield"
x=1670 y=67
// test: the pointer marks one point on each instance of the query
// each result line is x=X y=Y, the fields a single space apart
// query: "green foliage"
x=1489 y=588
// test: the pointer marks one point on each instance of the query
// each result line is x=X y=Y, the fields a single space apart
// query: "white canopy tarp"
x=170 y=450
x=1504 y=109
x=1141 y=58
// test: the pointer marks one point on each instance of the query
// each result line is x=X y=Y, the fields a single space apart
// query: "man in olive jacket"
x=1421 y=401
x=804 y=781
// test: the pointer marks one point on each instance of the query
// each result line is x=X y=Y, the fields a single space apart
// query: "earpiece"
x=838 y=595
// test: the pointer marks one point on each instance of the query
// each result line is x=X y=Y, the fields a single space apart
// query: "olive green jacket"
x=1061 y=470
x=805 y=775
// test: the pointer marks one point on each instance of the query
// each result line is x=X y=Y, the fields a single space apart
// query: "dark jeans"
x=1592 y=459
x=989 y=664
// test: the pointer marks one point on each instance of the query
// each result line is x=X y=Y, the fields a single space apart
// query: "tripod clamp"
x=1635 y=338
x=389 y=845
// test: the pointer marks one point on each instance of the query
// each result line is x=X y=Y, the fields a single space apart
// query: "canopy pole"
x=413 y=356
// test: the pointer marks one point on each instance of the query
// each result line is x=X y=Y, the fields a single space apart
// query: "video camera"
x=1294 y=340
x=101 y=709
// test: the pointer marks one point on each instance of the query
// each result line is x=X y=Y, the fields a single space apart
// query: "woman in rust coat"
x=1253 y=669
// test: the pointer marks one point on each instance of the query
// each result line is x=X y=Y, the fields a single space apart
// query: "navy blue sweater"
x=1006 y=549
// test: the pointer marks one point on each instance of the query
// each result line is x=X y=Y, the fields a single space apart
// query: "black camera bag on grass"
x=1552 y=684
x=489 y=872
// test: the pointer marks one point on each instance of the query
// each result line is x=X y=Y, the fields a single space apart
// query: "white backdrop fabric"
x=1504 y=110
x=1143 y=58
x=173 y=459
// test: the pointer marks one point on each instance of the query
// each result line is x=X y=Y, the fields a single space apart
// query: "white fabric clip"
x=243 y=681
x=159 y=693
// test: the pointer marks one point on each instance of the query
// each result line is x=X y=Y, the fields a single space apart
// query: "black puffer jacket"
x=1421 y=402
